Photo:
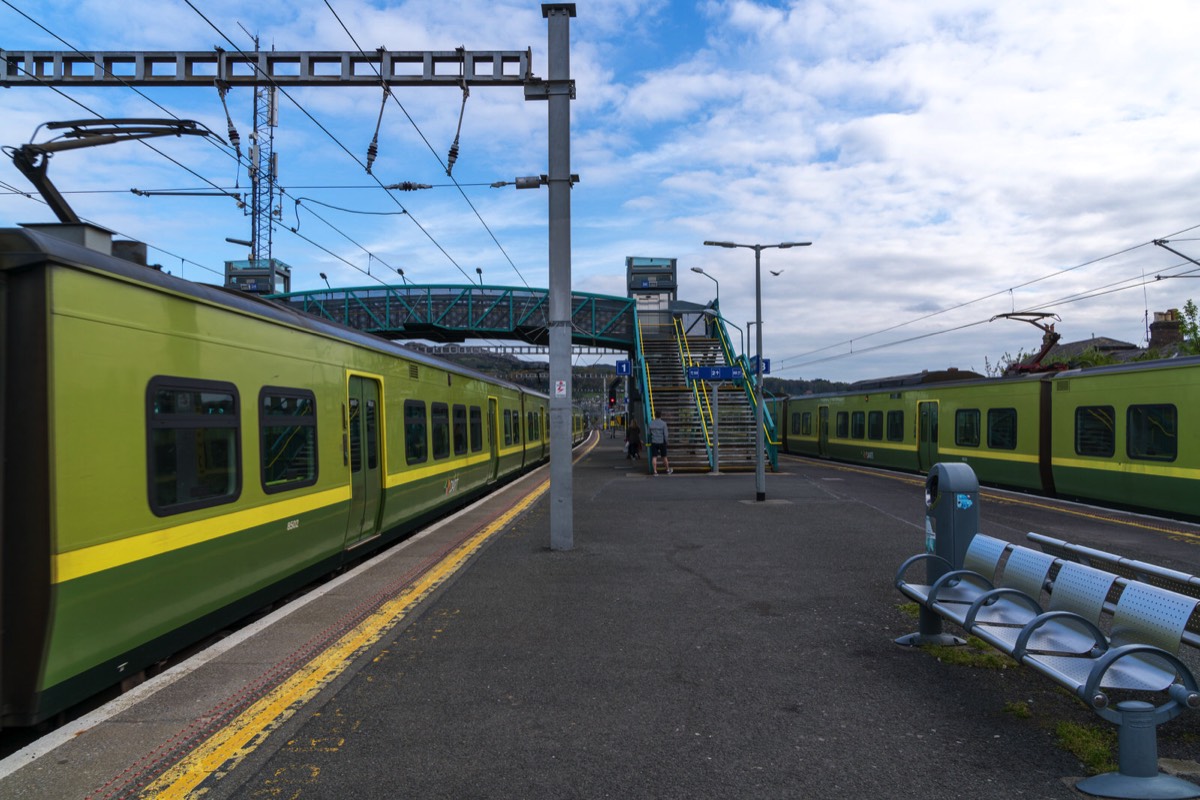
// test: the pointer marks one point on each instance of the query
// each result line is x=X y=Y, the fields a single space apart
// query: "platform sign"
x=766 y=365
x=624 y=367
x=714 y=373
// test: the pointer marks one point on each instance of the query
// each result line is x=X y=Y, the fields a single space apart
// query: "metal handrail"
x=685 y=357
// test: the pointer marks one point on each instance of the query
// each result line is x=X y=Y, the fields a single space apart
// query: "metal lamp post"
x=714 y=280
x=760 y=474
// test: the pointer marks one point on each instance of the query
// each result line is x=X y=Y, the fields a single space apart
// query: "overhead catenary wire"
x=784 y=364
x=1112 y=288
x=236 y=156
x=417 y=128
x=331 y=136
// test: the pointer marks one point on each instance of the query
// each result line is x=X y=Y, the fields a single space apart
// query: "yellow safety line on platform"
x=228 y=747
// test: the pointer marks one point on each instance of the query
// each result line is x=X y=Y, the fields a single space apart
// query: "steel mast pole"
x=760 y=473
x=559 y=90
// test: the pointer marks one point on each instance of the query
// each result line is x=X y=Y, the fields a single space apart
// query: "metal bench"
x=1079 y=590
x=1128 y=569
x=1067 y=643
x=952 y=592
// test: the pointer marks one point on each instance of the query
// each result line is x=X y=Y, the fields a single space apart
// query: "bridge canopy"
x=454 y=313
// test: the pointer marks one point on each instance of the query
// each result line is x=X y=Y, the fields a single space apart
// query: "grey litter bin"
x=951 y=521
x=951 y=514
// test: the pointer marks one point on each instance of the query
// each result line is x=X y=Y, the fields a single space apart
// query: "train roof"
x=968 y=378
x=27 y=247
x=916 y=379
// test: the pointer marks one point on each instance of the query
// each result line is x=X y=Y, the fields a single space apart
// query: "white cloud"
x=936 y=152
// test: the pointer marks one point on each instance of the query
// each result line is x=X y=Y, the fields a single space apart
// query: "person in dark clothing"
x=633 y=442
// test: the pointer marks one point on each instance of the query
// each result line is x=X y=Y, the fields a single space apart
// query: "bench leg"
x=929 y=631
x=1137 y=774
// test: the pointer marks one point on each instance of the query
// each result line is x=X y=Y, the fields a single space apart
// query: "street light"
x=479 y=272
x=760 y=475
x=403 y=279
x=324 y=278
x=714 y=280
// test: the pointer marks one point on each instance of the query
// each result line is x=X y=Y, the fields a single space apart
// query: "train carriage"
x=176 y=456
x=1126 y=435
x=1129 y=435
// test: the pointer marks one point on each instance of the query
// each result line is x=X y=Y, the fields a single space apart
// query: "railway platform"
x=693 y=644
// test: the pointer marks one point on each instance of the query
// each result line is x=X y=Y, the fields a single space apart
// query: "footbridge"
x=454 y=313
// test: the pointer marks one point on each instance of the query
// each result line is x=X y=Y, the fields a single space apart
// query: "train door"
x=823 y=430
x=364 y=423
x=493 y=442
x=927 y=435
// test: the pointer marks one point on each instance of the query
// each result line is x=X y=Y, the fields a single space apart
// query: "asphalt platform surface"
x=693 y=644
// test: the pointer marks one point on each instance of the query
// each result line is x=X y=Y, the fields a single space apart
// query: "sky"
x=949 y=160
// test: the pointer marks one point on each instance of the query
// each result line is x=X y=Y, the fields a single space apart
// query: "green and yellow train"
x=176 y=455
x=1126 y=435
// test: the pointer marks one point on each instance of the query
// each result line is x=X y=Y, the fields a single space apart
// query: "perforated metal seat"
x=952 y=594
x=1017 y=598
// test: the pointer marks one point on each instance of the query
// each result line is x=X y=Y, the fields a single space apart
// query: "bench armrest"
x=988 y=598
x=1182 y=695
x=1021 y=646
x=953 y=577
x=899 y=580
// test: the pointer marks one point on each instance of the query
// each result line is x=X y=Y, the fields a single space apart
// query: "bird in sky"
x=775 y=271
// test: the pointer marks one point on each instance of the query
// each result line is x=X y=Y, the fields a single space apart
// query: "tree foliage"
x=1190 y=327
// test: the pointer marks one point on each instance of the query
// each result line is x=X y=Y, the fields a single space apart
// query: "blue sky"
x=950 y=160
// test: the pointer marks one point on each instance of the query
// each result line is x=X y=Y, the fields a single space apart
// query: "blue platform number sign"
x=624 y=367
x=766 y=365
x=964 y=502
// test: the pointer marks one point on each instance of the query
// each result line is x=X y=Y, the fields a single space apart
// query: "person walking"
x=658 y=443
x=633 y=441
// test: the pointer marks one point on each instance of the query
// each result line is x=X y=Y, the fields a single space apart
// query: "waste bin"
x=951 y=521
x=951 y=514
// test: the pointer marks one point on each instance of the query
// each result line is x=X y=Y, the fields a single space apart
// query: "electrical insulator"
x=372 y=151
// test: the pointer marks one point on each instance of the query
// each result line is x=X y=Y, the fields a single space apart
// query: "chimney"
x=1165 y=331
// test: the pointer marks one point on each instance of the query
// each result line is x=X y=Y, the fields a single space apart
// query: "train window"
x=1002 y=428
x=372 y=432
x=476 y=429
x=1151 y=432
x=875 y=425
x=516 y=416
x=416 y=448
x=966 y=427
x=507 y=426
x=795 y=431
x=895 y=426
x=355 y=437
x=806 y=424
x=193 y=444
x=460 y=430
x=857 y=424
x=439 y=414
x=1095 y=431
x=287 y=424
x=843 y=425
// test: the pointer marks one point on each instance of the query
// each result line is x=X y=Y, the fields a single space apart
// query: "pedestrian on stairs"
x=658 y=443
